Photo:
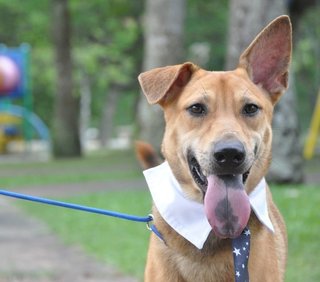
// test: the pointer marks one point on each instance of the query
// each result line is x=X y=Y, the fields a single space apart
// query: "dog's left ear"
x=267 y=59
x=161 y=84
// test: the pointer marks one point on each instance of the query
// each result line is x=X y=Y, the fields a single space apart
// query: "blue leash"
x=147 y=219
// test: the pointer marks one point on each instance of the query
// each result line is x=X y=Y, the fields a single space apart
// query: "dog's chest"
x=211 y=268
x=206 y=271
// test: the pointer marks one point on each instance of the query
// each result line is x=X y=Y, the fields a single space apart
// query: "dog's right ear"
x=160 y=84
x=268 y=57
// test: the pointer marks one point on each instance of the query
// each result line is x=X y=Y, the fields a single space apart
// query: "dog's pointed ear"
x=268 y=57
x=157 y=83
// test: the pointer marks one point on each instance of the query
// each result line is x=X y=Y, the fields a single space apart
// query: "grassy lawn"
x=102 y=166
x=124 y=244
x=300 y=208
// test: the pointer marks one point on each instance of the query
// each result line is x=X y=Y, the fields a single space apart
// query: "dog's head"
x=218 y=124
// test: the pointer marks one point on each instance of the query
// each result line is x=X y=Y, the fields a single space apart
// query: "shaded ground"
x=30 y=253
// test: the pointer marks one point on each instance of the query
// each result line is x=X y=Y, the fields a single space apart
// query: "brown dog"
x=217 y=143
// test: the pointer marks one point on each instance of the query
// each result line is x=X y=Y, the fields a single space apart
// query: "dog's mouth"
x=226 y=203
x=200 y=178
x=197 y=174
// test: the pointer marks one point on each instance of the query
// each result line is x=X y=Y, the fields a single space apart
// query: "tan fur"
x=260 y=78
x=146 y=155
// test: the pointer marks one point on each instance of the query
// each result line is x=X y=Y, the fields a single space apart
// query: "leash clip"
x=153 y=228
x=149 y=222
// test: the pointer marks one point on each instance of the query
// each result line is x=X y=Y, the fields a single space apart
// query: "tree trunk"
x=163 y=32
x=66 y=128
x=246 y=19
x=109 y=109
x=85 y=107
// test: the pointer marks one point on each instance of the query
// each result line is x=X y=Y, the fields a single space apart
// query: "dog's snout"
x=229 y=154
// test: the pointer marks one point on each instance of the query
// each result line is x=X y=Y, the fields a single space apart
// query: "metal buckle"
x=148 y=223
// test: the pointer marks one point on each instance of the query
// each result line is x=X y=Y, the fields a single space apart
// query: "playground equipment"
x=9 y=75
x=314 y=131
x=17 y=122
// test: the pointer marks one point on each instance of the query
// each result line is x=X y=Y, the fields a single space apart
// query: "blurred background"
x=71 y=108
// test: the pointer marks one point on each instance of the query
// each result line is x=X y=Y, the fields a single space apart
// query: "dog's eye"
x=250 y=110
x=197 y=109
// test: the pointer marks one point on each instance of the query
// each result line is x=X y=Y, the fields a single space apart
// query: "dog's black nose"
x=229 y=154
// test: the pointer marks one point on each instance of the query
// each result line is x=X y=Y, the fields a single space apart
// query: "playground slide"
x=38 y=125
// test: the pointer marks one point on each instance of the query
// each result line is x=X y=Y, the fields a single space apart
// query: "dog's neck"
x=187 y=217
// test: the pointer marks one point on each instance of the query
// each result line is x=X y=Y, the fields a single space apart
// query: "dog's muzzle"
x=226 y=203
x=228 y=157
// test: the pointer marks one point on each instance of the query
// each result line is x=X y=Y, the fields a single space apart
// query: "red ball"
x=9 y=75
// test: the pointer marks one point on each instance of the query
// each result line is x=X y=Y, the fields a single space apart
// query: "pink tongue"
x=227 y=205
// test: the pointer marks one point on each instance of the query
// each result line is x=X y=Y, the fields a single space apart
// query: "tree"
x=246 y=19
x=163 y=33
x=109 y=53
x=66 y=106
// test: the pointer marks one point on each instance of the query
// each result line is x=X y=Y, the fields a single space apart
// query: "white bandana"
x=187 y=217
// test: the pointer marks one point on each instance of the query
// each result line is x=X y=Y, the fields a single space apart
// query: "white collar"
x=187 y=217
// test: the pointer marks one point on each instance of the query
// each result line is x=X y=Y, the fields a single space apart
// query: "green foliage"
x=24 y=21
x=105 y=42
x=207 y=21
x=107 y=48
x=42 y=77
x=306 y=63
x=103 y=53
x=105 y=45
x=126 y=112
x=28 y=21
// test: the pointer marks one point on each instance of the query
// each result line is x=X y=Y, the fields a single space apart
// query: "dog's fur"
x=225 y=113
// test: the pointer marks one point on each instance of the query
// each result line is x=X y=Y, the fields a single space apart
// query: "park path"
x=29 y=252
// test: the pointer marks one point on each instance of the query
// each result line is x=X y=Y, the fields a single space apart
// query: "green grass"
x=300 y=208
x=120 y=243
x=66 y=178
x=103 y=166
